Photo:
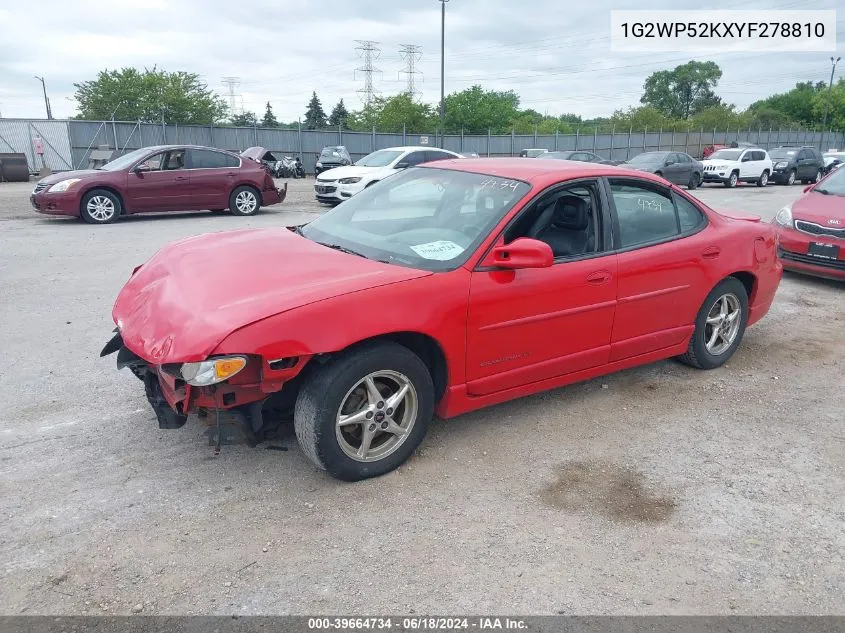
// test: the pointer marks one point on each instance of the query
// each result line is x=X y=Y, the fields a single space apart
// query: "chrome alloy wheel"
x=722 y=324
x=101 y=208
x=376 y=416
x=246 y=202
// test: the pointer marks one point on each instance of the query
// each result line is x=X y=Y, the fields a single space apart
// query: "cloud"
x=555 y=55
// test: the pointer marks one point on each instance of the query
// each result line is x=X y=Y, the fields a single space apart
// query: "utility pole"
x=46 y=100
x=442 y=69
x=411 y=53
x=833 y=63
x=231 y=83
x=370 y=51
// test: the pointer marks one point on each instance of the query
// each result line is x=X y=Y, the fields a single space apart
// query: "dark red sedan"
x=811 y=231
x=441 y=289
x=161 y=178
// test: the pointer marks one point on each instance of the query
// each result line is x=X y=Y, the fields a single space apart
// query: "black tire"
x=238 y=201
x=93 y=213
x=730 y=183
x=790 y=178
x=818 y=176
x=694 y=181
x=763 y=180
x=323 y=394
x=697 y=354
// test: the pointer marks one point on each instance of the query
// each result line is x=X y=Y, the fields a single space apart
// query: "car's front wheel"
x=732 y=180
x=100 y=206
x=363 y=413
x=719 y=326
x=790 y=178
x=694 y=181
x=244 y=201
x=763 y=180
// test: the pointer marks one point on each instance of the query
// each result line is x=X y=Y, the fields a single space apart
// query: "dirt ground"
x=658 y=490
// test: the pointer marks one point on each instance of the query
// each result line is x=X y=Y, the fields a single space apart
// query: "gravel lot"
x=656 y=490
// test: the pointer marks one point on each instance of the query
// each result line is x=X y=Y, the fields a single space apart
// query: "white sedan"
x=336 y=185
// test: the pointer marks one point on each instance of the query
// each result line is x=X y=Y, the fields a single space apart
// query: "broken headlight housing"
x=212 y=371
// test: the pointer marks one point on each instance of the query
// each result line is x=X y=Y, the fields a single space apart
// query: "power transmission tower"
x=231 y=83
x=370 y=51
x=411 y=54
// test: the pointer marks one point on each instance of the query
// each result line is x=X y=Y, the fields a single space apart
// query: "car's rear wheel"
x=100 y=206
x=790 y=178
x=244 y=201
x=363 y=413
x=732 y=180
x=719 y=326
x=694 y=181
x=763 y=180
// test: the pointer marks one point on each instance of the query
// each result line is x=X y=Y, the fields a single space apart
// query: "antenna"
x=231 y=83
x=370 y=51
x=411 y=54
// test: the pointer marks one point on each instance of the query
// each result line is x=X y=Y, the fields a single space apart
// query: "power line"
x=370 y=51
x=411 y=54
x=232 y=83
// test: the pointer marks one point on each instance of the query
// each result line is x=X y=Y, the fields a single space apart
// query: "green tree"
x=796 y=104
x=244 y=119
x=834 y=101
x=315 y=116
x=640 y=119
x=339 y=114
x=683 y=91
x=720 y=117
x=402 y=112
x=269 y=119
x=476 y=110
x=149 y=96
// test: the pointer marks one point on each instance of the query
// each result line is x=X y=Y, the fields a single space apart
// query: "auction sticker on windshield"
x=441 y=250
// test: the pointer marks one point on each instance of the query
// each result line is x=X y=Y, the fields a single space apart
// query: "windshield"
x=122 y=162
x=333 y=153
x=833 y=184
x=427 y=218
x=784 y=154
x=558 y=155
x=381 y=158
x=726 y=154
x=649 y=158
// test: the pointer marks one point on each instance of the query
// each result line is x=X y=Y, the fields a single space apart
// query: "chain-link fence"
x=68 y=144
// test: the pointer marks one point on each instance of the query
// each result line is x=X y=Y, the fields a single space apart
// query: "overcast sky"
x=554 y=53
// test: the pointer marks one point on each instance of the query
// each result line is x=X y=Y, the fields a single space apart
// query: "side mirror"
x=401 y=165
x=524 y=252
x=142 y=167
x=668 y=162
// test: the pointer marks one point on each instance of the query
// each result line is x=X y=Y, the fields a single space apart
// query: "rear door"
x=663 y=250
x=213 y=176
x=673 y=170
x=164 y=185
x=805 y=167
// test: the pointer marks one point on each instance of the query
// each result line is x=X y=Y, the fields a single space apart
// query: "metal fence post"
x=535 y=135
x=612 y=138
x=660 y=139
x=686 y=141
x=175 y=134
x=373 y=139
x=254 y=134
x=713 y=140
x=211 y=134
x=299 y=134
x=488 y=141
x=512 y=132
x=577 y=130
x=404 y=134
x=645 y=137
x=140 y=133
x=462 y=138
x=595 y=137
x=556 y=133
x=700 y=134
x=628 y=149
x=31 y=143
x=340 y=132
x=673 y=139
x=114 y=133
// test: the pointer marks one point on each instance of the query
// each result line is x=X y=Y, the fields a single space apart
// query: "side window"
x=689 y=216
x=205 y=159
x=568 y=219
x=747 y=157
x=154 y=162
x=414 y=158
x=431 y=156
x=682 y=158
x=645 y=215
x=175 y=160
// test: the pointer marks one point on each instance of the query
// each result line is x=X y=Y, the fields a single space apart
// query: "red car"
x=442 y=289
x=163 y=178
x=811 y=231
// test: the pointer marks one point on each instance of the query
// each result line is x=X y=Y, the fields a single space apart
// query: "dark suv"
x=796 y=163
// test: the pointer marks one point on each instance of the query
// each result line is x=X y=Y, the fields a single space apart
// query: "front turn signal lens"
x=212 y=371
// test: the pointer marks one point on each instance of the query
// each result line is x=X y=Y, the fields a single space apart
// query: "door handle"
x=598 y=277
x=181 y=178
x=711 y=252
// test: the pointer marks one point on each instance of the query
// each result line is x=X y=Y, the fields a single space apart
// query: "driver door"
x=164 y=186
x=528 y=325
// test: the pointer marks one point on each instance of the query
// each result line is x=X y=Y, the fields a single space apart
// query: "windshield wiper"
x=826 y=192
x=343 y=249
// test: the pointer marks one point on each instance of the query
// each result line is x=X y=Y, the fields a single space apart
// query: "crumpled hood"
x=349 y=171
x=192 y=294
x=820 y=209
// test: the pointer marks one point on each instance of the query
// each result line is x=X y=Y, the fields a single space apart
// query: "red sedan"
x=442 y=289
x=811 y=231
x=163 y=178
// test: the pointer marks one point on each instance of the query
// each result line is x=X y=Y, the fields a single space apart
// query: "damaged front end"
x=240 y=402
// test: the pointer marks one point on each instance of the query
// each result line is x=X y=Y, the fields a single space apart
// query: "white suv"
x=730 y=165
x=336 y=185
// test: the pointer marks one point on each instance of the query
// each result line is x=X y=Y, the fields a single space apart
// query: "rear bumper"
x=275 y=195
x=55 y=203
